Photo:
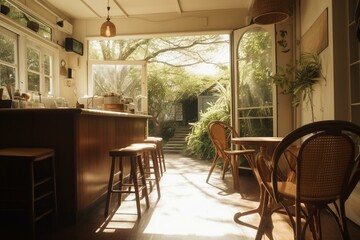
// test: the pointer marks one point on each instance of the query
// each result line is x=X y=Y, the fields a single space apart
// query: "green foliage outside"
x=7 y=55
x=255 y=85
x=198 y=141
x=170 y=82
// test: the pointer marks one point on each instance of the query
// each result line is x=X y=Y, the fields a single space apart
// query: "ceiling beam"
x=179 y=6
x=91 y=9
x=121 y=8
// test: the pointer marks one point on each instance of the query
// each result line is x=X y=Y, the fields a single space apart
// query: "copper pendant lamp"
x=108 y=28
x=271 y=11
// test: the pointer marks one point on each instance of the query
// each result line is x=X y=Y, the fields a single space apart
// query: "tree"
x=169 y=82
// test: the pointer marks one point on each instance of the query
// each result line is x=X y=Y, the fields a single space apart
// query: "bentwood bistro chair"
x=220 y=134
x=326 y=169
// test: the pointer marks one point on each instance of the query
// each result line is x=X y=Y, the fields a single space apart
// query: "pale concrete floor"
x=189 y=209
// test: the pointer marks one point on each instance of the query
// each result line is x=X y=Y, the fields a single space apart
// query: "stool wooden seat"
x=159 y=151
x=134 y=153
x=27 y=179
x=151 y=170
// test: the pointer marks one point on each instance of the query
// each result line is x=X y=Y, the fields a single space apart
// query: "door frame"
x=235 y=38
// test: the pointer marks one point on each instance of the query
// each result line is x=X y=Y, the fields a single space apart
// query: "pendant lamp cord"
x=108 y=8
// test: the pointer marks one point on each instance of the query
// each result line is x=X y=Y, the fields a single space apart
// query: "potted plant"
x=298 y=80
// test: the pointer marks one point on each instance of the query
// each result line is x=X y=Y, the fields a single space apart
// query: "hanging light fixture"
x=271 y=11
x=108 y=29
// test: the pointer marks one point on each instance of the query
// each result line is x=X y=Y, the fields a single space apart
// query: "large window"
x=36 y=69
x=39 y=70
x=8 y=58
x=125 y=78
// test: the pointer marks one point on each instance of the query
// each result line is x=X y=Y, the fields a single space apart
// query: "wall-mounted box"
x=73 y=45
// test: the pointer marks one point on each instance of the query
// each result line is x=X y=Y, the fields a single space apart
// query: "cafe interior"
x=67 y=156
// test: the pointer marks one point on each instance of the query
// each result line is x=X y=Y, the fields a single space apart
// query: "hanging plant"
x=298 y=80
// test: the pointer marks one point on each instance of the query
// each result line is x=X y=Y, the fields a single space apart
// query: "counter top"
x=71 y=111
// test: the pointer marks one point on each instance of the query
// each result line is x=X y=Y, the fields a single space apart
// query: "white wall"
x=331 y=97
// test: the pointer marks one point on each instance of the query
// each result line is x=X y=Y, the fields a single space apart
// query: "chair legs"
x=213 y=164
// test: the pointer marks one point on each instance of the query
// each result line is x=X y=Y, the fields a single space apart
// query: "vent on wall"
x=65 y=26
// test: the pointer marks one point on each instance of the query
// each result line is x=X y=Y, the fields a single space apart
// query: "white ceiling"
x=89 y=9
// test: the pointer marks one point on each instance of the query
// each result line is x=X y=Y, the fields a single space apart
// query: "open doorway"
x=178 y=69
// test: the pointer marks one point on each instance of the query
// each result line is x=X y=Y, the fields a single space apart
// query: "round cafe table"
x=264 y=144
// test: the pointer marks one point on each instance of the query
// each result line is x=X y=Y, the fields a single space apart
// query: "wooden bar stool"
x=28 y=183
x=159 y=151
x=151 y=170
x=134 y=153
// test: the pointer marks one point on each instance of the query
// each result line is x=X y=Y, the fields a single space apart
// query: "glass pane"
x=103 y=79
x=33 y=82
x=7 y=49
x=7 y=75
x=128 y=80
x=254 y=42
x=352 y=7
x=255 y=85
x=354 y=43
x=355 y=114
x=125 y=80
x=47 y=84
x=33 y=59
x=260 y=127
x=355 y=83
x=47 y=64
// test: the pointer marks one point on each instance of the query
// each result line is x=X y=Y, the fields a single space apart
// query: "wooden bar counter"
x=82 y=139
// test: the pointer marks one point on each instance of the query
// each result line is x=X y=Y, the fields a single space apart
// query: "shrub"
x=198 y=142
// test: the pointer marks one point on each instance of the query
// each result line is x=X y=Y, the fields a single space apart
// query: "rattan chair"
x=220 y=134
x=326 y=171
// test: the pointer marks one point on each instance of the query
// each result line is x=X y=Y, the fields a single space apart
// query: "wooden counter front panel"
x=96 y=136
x=82 y=142
x=51 y=131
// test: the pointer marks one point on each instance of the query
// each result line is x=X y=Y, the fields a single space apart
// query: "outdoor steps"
x=177 y=143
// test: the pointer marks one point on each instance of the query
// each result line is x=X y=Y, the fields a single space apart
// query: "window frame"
x=42 y=51
x=15 y=65
x=236 y=39
x=143 y=64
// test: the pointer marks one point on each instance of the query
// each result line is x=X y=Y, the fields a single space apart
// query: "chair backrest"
x=325 y=160
x=220 y=134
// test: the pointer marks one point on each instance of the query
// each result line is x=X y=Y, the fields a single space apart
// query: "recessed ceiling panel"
x=80 y=9
x=72 y=8
x=140 y=7
x=203 y=5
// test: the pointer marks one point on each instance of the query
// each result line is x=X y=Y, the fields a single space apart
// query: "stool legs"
x=143 y=182
x=159 y=156
x=154 y=167
x=135 y=166
x=162 y=158
x=110 y=187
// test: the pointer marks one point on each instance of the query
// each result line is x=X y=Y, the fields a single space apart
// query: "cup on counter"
x=15 y=103
x=60 y=102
